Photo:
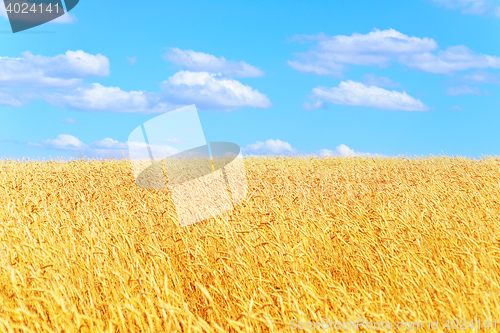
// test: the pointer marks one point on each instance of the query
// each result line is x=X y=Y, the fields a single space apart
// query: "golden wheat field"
x=317 y=240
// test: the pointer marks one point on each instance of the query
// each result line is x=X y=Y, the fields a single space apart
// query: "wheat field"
x=84 y=249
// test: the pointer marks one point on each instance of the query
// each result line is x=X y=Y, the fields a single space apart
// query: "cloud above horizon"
x=64 y=70
x=344 y=151
x=107 y=147
x=380 y=48
x=58 y=80
x=472 y=7
x=278 y=147
x=211 y=91
x=273 y=147
x=482 y=77
x=204 y=62
x=357 y=94
x=95 y=97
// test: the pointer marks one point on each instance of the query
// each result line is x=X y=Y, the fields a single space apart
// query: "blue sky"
x=381 y=78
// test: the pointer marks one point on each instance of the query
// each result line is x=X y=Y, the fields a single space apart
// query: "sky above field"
x=368 y=78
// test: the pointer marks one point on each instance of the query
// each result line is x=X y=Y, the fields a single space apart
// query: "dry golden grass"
x=83 y=249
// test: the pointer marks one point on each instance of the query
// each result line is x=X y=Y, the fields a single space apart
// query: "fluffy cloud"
x=375 y=48
x=211 y=91
x=96 y=97
x=463 y=90
x=343 y=150
x=472 y=7
x=65 y=70
x=357 y=94
x=455 y=58
x=71 y=64
x=278 y=147
x=456 y=107
x=273 y=147
x=106 y=147
x=36 y=76
x=482 y=76
x=9 y=100
x=109 y=143
x=62 y=141
x=199 y=61
x=16 y=96
x=380 y=48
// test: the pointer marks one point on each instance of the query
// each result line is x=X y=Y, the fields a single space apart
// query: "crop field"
x=413 y=240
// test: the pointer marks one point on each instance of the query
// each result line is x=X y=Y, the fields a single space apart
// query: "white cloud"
x=463 y=90
x=456 y=107
x=71 y=64
x=139 y=151
x=106 y=147
x=380 y=48
x=204 y=62
x=62 y=141
x=16 y=96
x=278 y=147
x=455 y=58
x=207 y=91
x=482 y=76
x=472 y=7
x=109 y=143
x=113 y=148
x=36 y=71
x=379 y=81
x=131 y=60
x=375 y=48
x=343 y=150
x=357 y=94
x=36 y=77
x=274 y=147
x=210 y=91
x=96 y=97
x=9 y=100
